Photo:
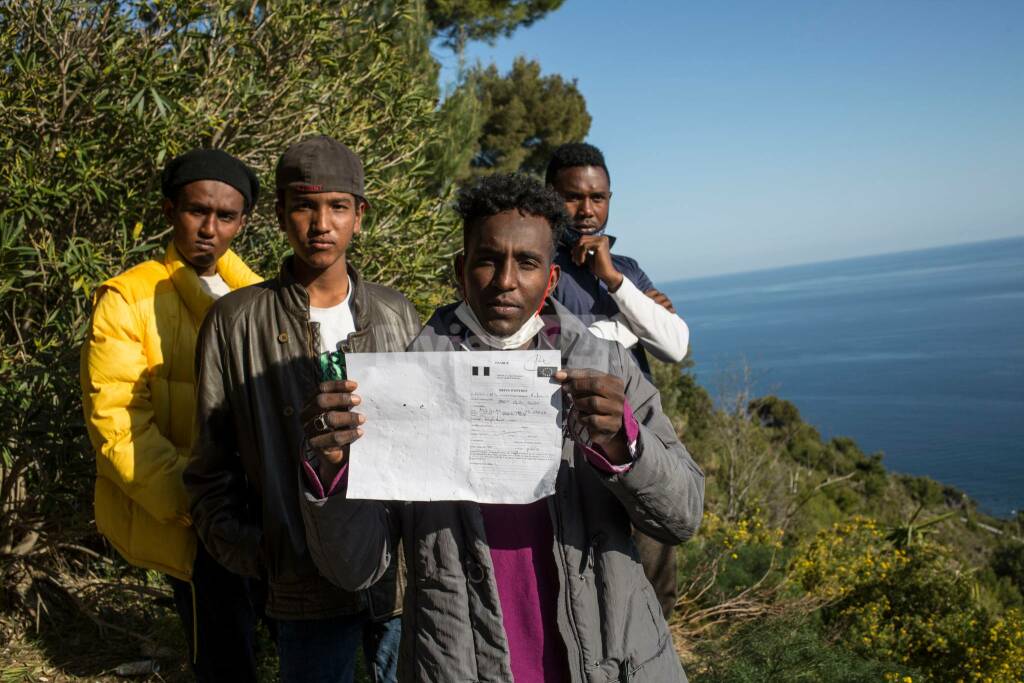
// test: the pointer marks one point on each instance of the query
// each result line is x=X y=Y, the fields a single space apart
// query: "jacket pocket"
x=655 y=639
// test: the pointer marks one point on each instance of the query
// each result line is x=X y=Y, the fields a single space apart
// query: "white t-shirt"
x=336 y=322
x=214 y=285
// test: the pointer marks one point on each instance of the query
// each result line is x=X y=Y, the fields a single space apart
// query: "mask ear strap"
x=551 y=278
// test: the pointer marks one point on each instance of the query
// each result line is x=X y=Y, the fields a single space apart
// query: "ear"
x=168 y=210
x=279 y=209
x=241 y=225
x=459 y=264
x=552 y=281
x=360 y=212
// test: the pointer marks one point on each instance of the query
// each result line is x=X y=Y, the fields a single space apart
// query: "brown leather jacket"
x=255 y=369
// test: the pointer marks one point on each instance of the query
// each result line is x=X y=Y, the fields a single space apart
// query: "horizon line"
x=846 y=259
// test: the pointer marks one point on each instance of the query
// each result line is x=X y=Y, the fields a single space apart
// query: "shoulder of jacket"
x=387 y=297
x=627 y=261
x=237 y=272
x=239 y=301
x=140 y=282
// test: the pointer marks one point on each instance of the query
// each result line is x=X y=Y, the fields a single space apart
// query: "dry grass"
x=83 y=628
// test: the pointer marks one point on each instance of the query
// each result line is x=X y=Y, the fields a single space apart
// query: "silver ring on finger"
x=320 y=423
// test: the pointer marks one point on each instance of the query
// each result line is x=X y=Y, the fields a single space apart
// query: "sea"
x=919 y=355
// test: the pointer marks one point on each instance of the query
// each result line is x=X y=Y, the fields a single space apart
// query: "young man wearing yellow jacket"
x=138 y=394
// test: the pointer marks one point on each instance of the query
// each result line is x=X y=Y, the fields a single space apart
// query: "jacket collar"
x=296 y=298
x=186 y=282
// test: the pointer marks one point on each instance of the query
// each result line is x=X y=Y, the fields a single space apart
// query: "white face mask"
x=515 y=340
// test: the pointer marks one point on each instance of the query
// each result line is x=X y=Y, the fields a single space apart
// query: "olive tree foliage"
x=96 y=96
x=525 y=117
x=459 y=21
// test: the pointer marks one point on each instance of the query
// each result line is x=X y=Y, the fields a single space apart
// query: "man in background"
x=615 y=298
x=138 y=392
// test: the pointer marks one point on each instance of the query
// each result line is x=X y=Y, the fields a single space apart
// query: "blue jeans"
x=324 y=650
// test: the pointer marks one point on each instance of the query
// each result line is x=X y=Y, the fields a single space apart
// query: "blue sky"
x=748 y=135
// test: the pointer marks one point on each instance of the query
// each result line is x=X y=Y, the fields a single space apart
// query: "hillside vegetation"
x=815 y=563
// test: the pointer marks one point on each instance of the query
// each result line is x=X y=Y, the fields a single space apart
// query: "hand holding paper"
x=597 y=401
x=330 y=425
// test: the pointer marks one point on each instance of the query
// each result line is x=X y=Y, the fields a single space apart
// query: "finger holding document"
x=330 y=425
x=598 y=400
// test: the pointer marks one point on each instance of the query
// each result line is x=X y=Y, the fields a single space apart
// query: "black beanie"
x=210 y=164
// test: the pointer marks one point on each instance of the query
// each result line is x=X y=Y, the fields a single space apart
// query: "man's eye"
x=340 y=207
x=227 y=217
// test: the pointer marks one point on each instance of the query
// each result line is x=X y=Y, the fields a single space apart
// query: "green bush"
x=682 y=398
x=1008 y=562
x=789 y=650
x=910 y=603
x=96 y=96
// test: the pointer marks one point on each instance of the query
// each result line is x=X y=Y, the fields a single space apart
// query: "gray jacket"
x=608 y=615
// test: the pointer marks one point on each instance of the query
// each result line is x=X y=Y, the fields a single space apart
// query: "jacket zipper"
x=588 y=558
x=568 y=590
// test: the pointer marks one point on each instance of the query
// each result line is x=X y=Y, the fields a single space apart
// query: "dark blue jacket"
x=587 y=297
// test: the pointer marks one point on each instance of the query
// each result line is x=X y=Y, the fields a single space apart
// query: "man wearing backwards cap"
x=138 y=396
x=263 y=352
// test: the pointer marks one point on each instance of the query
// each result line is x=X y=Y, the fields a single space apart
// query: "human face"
x=320 y=226
x=587 y=194
x=506 y=270
x=205 y=217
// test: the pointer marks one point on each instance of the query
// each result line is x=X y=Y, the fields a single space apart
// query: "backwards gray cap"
x=320 y=164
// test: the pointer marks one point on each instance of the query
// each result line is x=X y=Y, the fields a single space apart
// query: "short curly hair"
x=492 y=194
x=574 y=154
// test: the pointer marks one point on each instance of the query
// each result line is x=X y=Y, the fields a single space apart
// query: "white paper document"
x=472 y=425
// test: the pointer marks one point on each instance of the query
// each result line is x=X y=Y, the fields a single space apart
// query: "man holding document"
x=531 y=459
x=262 y=353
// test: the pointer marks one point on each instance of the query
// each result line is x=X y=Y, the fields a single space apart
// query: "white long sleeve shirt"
x=643 y=320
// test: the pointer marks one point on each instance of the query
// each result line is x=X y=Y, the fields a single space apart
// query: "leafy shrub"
x=96 y=96
x=790 y=649
x=924 y=490
x=914 y=605
x=682 y=398
x=1008 y=562
x=731 y=572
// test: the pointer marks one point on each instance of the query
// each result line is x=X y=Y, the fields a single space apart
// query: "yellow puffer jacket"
x=138 y=393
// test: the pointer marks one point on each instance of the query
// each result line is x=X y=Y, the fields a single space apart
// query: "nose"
x=585 y=208
x=206 y=228
x=506 y=275
x=317 y=221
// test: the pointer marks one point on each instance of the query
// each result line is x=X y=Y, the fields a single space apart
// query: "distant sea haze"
x=918 y=354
